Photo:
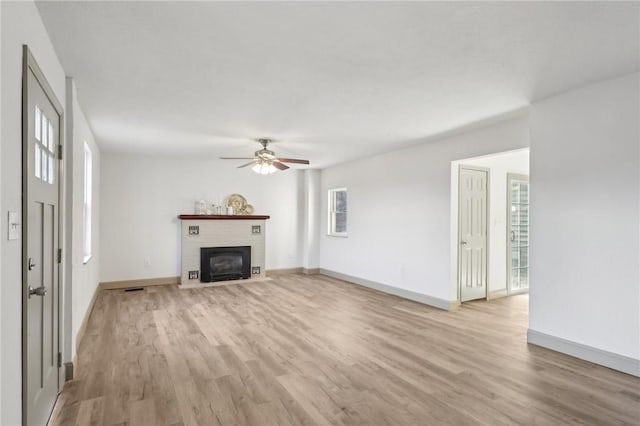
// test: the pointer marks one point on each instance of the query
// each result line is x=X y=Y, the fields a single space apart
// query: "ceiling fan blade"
x=279 y=165
x=292 y=160
x=248 y=164
x=237 y=158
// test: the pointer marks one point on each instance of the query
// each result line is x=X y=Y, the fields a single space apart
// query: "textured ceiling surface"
x=330 y=81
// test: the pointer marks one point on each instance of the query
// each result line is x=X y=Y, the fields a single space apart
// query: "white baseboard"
x=70 y=369
x=588 y=353
x=116 y=285
x=288 y=271
x=85 y=320
x=285 y=271
x=406 y=294
x=496 y=294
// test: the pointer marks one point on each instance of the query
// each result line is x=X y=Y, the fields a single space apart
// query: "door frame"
x=487 y=212
x=29 y=64
x=511 y=176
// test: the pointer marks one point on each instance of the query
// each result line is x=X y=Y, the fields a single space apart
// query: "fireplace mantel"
x=221 y=217
x=210 y=231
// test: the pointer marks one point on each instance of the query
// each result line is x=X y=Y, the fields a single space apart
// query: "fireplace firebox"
x=225 y=263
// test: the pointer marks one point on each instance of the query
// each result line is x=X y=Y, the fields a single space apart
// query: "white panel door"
x=472 y=255
x=40 y=251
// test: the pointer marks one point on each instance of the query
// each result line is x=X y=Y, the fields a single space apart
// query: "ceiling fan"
x=265 y=161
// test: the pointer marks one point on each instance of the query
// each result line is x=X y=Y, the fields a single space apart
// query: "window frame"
x=331 y=213
x=87 y=204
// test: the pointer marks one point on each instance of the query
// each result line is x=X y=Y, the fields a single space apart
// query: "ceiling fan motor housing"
x=266 y=154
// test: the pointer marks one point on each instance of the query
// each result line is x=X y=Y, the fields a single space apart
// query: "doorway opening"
x=490 y=227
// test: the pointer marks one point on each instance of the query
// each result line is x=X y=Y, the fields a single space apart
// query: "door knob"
x=40 y=291
x=463 y=243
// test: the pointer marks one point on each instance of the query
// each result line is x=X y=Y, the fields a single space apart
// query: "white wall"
x=21 y=24
x=585 y=227
x=399 y=210
x=142 y=197
x=311 y=218
x=499 y=166
x=84 y=277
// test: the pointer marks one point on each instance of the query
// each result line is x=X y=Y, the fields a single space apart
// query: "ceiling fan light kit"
x=265 y=161
x=264 y=168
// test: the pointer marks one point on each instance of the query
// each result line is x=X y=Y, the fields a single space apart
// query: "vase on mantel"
x=201 y=207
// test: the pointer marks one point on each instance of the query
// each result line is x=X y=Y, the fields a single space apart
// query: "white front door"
x=41 y=183
x=472 y=255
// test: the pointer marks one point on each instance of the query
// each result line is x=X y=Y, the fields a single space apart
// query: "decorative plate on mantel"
x=239 y=204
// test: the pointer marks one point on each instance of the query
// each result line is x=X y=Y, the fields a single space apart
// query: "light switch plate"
x=14 y=226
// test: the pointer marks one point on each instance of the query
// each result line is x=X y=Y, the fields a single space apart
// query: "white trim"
x=144 y=282
x=282 y=271
x=87 y=204
x=496 y=294
x=406 y=294
x=588 y=353
x=82 y=331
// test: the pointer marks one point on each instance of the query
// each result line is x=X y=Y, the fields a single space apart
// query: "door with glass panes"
x=41 y=357
x=518 y=233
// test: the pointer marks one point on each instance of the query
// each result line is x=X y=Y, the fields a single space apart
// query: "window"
x=45 y=147
x=518 y=192
x=338 y=212
x=86 y=244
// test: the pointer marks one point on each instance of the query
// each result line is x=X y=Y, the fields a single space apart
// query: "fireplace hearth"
x=225 y=263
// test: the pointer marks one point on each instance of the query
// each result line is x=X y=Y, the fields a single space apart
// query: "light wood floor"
x=303 y=350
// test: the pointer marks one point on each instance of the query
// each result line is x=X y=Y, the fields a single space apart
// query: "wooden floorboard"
x=313 y=350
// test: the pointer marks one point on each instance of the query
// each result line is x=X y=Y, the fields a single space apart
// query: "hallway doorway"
x=503 y=262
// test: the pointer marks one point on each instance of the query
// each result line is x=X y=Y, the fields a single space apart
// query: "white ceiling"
x=332 y=81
